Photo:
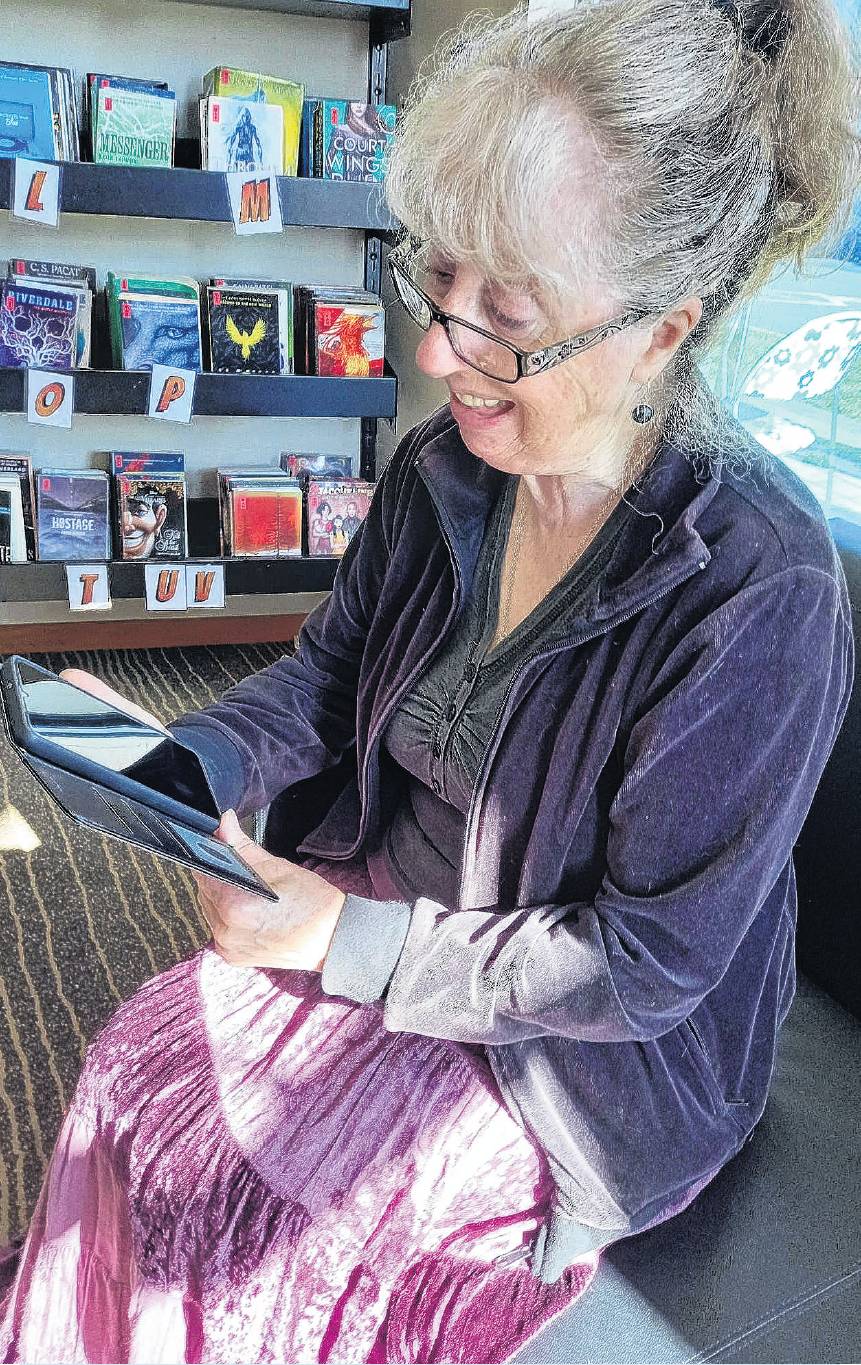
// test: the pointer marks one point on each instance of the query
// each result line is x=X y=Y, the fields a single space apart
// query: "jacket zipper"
x=504 y=711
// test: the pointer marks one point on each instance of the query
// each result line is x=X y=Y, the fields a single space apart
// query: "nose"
x=434 y=355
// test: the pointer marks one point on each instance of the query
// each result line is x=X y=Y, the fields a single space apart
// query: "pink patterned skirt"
x=253 y=1170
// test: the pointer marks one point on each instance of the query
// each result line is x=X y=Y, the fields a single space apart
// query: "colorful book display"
x=38 y=326
x=336 y=509
x=150 y=505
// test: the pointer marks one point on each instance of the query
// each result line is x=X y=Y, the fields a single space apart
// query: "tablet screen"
x=84 y=725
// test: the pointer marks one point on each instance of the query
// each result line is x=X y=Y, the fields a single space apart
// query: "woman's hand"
x=249 y=931
x=88 y=682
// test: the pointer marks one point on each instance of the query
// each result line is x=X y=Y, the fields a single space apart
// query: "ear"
x=667 y=336
x=160 y=517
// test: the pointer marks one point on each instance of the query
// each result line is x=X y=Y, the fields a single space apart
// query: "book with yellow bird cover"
x=244 y=332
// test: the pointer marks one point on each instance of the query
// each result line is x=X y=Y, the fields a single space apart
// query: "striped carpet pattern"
x=84 y=920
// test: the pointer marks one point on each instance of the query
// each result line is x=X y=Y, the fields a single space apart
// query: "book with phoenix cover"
x=244 y=332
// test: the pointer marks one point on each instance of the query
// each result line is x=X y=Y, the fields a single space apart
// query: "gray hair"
x=710 y=152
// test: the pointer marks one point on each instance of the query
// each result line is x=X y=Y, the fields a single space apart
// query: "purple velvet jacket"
x=624 y=939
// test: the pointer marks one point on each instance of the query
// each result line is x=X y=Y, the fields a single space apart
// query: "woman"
x=535 y=771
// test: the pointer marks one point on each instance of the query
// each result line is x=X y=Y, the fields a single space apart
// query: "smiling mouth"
x=134 y=539
x=475 y=400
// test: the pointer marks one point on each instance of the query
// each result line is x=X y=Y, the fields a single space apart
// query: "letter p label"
x=171 y=394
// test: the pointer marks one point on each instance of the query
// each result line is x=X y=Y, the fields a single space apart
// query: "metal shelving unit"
x=183 y=193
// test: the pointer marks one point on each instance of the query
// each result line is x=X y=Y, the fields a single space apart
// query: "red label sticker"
x=10 y=303
x=216 y=113
x=109 y=104
x=46 y=485
x=19 y=268
x=127 y=310
x=104 y=82
x=124 y=284
x=216 y=298
x=225 y=76
x=334 y=118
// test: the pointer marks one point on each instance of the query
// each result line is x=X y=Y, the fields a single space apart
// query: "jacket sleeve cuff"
x=221 y=762
x=365 y=948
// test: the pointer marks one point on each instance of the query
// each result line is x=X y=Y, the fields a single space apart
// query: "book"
x=284 y=290
x=241 y=135
x=38 y=326
x=264 y=517
x=81 y=278
x=6 y=497
x=134 y=126
x=304 y=298
x=351 y=139
x=244 y=332
x=150 y=511
x=27 y=126
x=73 y=516
x=348 y=339
x=16 y=479
x=124 y=288
x=253 y=87
x=159 y=330
x=93 y=80
x=147 y=461
x=322 y=466
x=335 y=509
x=306 y=137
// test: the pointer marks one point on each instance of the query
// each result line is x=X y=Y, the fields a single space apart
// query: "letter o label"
x=50 y=398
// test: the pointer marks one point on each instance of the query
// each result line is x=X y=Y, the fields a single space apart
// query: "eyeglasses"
x=483 y=350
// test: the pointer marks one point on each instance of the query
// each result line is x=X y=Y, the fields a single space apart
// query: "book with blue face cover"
x=27 y=113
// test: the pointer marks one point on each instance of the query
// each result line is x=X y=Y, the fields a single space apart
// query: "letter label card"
x=36 y=192
x=171 y=393
x=204 y=585
x=50 y=398
x=254 y=202
x=89 y=589
x=165 y=587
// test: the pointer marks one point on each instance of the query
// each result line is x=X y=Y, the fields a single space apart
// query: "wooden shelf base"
x=93 y=633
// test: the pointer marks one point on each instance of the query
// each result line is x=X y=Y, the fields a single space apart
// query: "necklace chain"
x=582 y=544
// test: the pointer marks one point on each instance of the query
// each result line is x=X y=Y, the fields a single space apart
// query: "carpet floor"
x=84 y=920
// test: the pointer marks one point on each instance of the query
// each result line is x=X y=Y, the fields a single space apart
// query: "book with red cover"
x=264 y=519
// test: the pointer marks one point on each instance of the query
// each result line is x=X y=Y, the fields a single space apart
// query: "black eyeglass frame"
x=528 y=362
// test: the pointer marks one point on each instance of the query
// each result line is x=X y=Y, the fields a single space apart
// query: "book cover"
x=284 y=290
x=349 y=339
x=351 y=139
x=256 y=88
x=336 y=509
x=159 y=331
x=306 y=137
x=320 y=466
x=146 y=461
x=244 y=332
x=73 y=518
x=16 y=476
x=242 y=135
x=38 y=327
x=81 y=278
x=265 y=518
x=27 y=126
x=92 y=82
x=151 y=516
x=134 y=127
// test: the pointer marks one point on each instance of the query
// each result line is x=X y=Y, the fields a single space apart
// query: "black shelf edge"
x=390 y=18
x=45 y=581
x=201 y=196
x=117 y=393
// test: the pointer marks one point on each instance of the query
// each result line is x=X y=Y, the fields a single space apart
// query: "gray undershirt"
x=440 y=732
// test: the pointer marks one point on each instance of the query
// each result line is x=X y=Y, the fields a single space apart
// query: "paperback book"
x=38 y=326
x=80 y=278
x=38 y=112
x=252 y=87
x=319 y=466
x=335 y=510
x=348 y=339
x=261 y=515
x=351 y=140
x=73 y=515
x=284 y=290
x=16 y=482
x=134 y=126
x=240 y=135
x=244 y=332
x=151 y=515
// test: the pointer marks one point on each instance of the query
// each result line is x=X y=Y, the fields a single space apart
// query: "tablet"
x=111 y=772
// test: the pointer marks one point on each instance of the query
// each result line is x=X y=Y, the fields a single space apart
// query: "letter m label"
x=255 y=206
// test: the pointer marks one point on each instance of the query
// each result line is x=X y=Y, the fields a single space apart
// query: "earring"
x=643 y=413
